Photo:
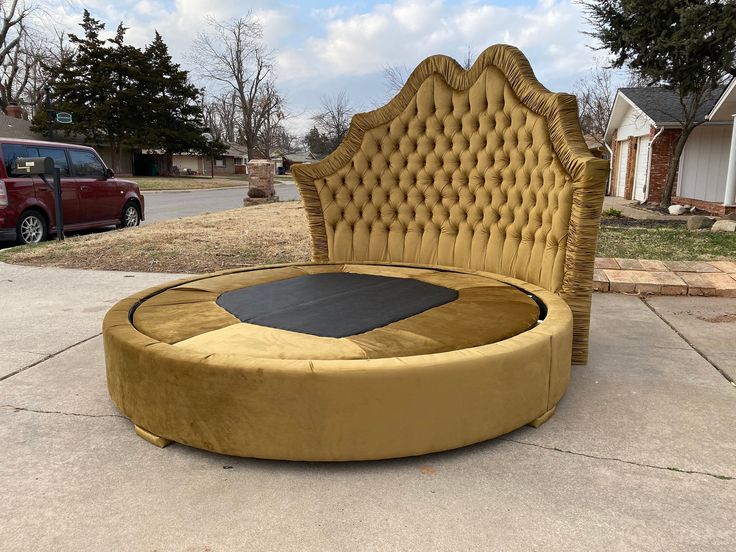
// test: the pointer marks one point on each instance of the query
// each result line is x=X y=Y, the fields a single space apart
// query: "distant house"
x=298 y=157
x=231 y=162
x=14 y=124
x=641 y=132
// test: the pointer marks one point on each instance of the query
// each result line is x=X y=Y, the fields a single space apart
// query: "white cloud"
x=406 y=31
x=345 y=46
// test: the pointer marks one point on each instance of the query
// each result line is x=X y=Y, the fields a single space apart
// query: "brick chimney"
x=14 y=110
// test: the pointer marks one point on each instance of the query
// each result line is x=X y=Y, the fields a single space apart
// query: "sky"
x=326 y=47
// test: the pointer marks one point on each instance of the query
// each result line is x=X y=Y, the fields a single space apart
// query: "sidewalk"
x=632 y=209
x=714 y=278
x=641 y=454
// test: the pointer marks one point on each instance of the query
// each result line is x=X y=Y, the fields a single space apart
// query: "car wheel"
x=131 y=216
x=31 y=228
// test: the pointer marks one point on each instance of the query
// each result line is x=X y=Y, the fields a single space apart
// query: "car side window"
x=86 y=164
x=59 y=157
x=11 y=152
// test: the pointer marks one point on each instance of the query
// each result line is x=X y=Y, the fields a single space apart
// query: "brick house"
x=641 y=133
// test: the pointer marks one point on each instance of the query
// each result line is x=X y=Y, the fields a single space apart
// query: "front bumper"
x=8 y=234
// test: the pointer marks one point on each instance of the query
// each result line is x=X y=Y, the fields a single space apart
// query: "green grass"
x=666 y=244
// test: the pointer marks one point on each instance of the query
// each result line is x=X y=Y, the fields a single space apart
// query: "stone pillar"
x=260 y=177
x=730 y=196
x=14 y=110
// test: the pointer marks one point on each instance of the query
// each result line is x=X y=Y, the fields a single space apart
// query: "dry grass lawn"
x=277 y=233
x=261 y=234
x=151 y=183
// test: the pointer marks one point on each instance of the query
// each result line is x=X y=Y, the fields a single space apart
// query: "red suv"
x=91 y=196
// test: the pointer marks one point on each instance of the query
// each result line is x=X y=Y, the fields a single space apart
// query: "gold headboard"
x=482 y=169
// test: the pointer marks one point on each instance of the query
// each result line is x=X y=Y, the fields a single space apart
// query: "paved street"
x=169 y=205
x=640 y=456
x=162 y=206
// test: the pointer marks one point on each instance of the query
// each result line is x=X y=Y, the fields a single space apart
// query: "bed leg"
x=151 y=438
x=543 y=418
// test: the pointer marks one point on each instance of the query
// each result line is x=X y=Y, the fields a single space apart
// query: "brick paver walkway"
x=714 y=278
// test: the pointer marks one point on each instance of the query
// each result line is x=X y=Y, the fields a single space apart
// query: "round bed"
x=453 y=234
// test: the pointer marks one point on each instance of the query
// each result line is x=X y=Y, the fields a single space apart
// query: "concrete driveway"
x=640 y=456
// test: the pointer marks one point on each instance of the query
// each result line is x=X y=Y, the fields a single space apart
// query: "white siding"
x=189 y=162
x=704 y=163
x=642 y=168
x=634 y=123
x=622 y=152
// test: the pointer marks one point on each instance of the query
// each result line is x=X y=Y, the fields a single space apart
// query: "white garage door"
x=642 y=164
x=623 y=157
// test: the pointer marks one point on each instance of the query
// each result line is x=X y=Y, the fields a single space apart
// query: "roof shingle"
x=663 y=105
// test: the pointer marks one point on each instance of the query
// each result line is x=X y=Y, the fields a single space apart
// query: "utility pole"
x=49 y=113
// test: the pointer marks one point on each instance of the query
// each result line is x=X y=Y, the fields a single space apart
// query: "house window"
x=239 y=161
x=219 y=162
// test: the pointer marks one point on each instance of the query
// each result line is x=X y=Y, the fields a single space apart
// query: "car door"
x=100 y=197
x=69 y=188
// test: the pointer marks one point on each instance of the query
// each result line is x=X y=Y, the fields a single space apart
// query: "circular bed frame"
x=453 y=238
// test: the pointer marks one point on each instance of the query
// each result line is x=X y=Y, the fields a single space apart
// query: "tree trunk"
x=669 y=184
x=115 y=155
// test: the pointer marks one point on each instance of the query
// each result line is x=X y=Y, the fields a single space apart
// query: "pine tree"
x=174 y=115
x=121 y=95
x=97 y=84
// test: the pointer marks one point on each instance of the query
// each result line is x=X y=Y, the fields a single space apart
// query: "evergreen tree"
x=121 y=95
x=174 y=114
x=317 y=142
x=98 y=86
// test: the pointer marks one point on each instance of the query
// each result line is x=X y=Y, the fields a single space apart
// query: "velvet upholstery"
x=485 y=311
x=299 y=399
x=483 y=169
x=479 y=181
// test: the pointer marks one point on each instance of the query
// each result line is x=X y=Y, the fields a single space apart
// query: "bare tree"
x=233 y=55
x=20 y=53
x=60 y=50
x=595 y=95
x=333 y=119
x=273 y=135
x=221 y=115
x=394 y=77
x=13 y=14
x=469 y=57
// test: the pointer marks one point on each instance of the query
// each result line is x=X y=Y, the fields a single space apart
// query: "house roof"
x=662 y=105
x=659 y=105
x=10 y=127
x=236 y=150
x=725 y=107
x=302 y=157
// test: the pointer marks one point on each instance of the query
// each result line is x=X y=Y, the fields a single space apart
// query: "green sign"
x=63 y=117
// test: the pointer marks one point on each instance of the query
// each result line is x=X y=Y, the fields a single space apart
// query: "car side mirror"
x=109 y=173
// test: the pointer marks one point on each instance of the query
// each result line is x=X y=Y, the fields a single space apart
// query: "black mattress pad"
x=334 y=304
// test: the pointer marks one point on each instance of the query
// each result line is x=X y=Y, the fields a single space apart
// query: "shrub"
x=612 y=213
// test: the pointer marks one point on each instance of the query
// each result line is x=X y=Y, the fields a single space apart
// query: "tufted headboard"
x=482 y=169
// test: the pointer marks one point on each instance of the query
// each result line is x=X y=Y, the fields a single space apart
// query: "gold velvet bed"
x=472 y=187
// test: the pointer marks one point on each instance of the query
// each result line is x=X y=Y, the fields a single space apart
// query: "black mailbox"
x=34 y=165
